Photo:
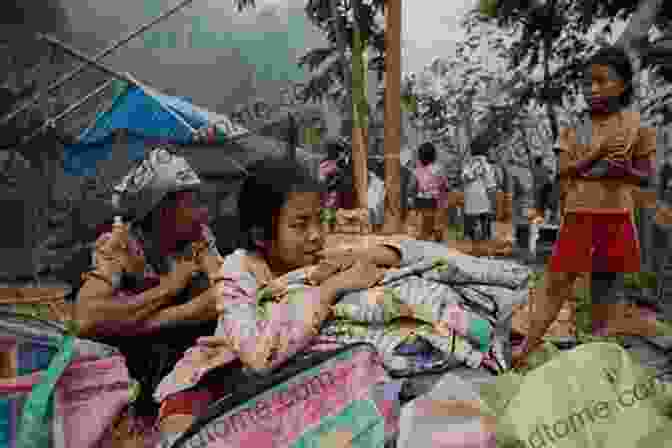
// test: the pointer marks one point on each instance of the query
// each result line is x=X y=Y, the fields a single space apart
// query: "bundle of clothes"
x=440 y=312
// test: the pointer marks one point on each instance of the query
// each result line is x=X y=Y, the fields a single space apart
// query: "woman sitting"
x=144 y=279
x=279 y=210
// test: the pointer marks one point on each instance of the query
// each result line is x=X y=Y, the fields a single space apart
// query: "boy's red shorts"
x=597 y=240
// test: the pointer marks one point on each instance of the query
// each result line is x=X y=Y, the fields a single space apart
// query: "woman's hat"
x=160 y=173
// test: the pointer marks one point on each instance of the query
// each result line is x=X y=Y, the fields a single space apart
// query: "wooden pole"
x=89 y=60
x=360 y=144
x=393 y=215
x=73 y=107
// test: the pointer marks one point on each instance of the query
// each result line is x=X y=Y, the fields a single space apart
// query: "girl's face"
x=603 y=84
x=298 y=232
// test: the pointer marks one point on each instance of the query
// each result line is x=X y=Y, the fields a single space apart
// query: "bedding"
x=409 y=315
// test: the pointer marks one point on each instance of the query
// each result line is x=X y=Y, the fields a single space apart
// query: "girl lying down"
x=279 y=207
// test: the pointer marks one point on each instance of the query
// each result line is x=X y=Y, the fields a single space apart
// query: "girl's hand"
x=322 y=272
x=342 y=258
x=361 y=275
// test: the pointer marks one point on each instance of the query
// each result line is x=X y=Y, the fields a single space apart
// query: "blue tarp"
x=148 y=115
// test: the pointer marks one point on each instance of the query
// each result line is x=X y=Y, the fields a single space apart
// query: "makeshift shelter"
x=141 y=117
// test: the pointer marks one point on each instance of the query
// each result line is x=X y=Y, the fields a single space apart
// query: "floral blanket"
x=435 y=313
x=442 y=309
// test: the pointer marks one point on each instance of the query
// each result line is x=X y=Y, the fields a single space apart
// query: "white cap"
x=118 y=220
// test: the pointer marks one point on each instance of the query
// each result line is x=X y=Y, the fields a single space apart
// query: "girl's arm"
x=569 y=167
x=568 y=164
x=263 y=344
x=379 y=255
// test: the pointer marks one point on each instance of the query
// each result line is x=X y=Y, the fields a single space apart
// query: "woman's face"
x=299 y=231
x=602 y=81
x=185 y=214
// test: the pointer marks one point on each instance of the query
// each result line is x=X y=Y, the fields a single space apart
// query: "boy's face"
x=299 y=231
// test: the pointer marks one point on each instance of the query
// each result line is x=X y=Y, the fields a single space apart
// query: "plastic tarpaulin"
x=147 y=115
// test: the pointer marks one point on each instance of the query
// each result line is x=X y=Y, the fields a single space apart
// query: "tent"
x=148 y=116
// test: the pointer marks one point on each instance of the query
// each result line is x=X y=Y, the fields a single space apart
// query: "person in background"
x=428 y=195
x=333 y=172
x=480 y=190
x=504 y=201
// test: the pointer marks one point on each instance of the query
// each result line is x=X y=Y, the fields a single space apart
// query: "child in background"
x=429 y=194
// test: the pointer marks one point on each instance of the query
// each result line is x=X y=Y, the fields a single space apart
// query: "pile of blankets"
x=409 y=315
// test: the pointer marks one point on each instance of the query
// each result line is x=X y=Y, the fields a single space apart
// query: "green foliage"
x=329 y=69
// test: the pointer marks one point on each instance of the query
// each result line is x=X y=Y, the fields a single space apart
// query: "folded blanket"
x=450 y=304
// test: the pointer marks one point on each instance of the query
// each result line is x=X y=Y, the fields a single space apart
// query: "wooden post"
x=393 y=215
x=360 y=143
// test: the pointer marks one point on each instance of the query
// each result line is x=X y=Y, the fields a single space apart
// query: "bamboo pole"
x=80 y=68
x=51 y=122
x=393 y=216
x=89 y=60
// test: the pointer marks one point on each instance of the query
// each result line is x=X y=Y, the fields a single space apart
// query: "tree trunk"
x=393 y=214
x=360 y=142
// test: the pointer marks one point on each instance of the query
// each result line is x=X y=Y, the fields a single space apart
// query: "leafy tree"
x=558 y=30
x=452 y=96
x=353 y=30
